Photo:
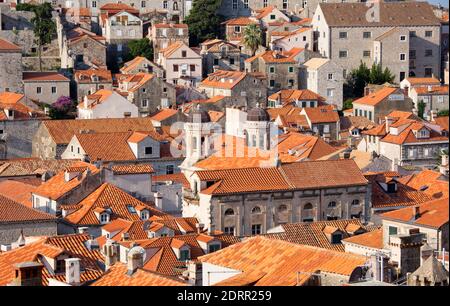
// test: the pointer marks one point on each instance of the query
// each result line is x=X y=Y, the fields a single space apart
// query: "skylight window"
x=131 y=209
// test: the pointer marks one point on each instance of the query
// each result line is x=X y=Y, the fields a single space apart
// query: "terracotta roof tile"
x=321 y=114
x=62 y=131
x=32 y=166
x=56 y=187
x=423 y=81
x=73 y=245
x=376 y=97
x=277 y=56
x=17 y=191
x=373 y=239
x=442 y=121
x=164 y=114
x=314 y=233
x=108 y=196
x=288 y=96
x=176 y=177
x=429 y=182
x=433 y=90
x=243 y=21
x=223 y=79
x=6 y=46
x=431 y=214
x=86 y=76
x=132 y=169
x=117 y=276
x=44 y=77
x=280 y=261
x=106 y=146
x=14 y=212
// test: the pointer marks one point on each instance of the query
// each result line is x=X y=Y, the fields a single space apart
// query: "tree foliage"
x=252 y=37
x=44 y=27
x=140 y=47
x=421 y=109
x=203 y=21
x=361 y=76
x=25 y=7
x=443 y=112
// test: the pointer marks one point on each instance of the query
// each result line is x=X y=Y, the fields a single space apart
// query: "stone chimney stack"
x=199 y=227
x=111 y=251
x=72 y=271
x=28 y=274
x=158 y=200
x=388 y=122
x=135 y=259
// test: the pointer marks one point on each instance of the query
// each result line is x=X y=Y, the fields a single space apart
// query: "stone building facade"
x=250 y=213
x=407 y=46
x=10 y=232
x=45 y=87
x=164 y=34
x=11 y=67
x=17 y=136
x=219 y=54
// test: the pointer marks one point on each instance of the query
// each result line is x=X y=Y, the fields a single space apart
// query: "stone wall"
x=31 y=63
x=10 y=232
x=18 y=138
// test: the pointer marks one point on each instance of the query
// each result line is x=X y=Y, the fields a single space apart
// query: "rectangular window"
x=285 y=4
x=191 y=67
x=245 y=3
x=272 y=83
x=143 y=3
x=412 y=54
x=235 y=4
x=428 y=52
x=428 y=33
x=412 y=34
x=367 y=35
x=94 y=4
x=273 y=17
x=264 y=3
x=213 y=248
x=144 y=103
x=402 y=56
x=165 y=4
x=175 y=68
x=53 y=89
x=148 y=150
x=342 y=35
x=428 y=72
x=291 y=69
x=237 y=29
x=272 y=69
x=402 y=37
x=392 y=230
x=366 y=53
x=184 y=255
x=183 y=53
x=39 y=90
x=330 y=76
x=169 y=169
x=231 y=61
x=229 y=230
x=330 y=92
x=256 y=229
x=343 y=54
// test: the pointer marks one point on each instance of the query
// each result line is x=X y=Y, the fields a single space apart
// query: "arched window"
x=308 y=206
x=229 y=212
x=332 y=204
x=256 y=210
x=282 y=208
x=355 y=202
x=175 y=6
x=253 y=140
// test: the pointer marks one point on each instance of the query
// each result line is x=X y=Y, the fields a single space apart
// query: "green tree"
x=140 y=47
x=348 y=104
x=203 y=21
x=25 y=7
x=443 y=113
x=252 y=38
x=361 y=76
x=421 y=108
x=44 y=27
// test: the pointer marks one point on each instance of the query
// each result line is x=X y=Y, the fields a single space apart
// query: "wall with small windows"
x=46 y=91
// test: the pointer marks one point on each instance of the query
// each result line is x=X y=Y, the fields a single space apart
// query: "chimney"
x=429 y=88
x=28 y=274
x=433 y=115
x=443 y=169
x=394 y=165
x=72 y=271
x=158 y=200
x=388 y=122
x=110 y=250
x=415 y=111
x=425 y=252
x=416 y=212
x=194 y=273
x=135 y=259
x=199 y=227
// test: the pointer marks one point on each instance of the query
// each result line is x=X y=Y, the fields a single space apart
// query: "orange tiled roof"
x=17 y=191
x=172 y=48
x=176 y=177
x=32 y=166
x=164 y=114
x=62 y=131
x=280 y=261
x=288 y=96
x=293 y=33
x=44 y=77
x=85 y=76
x=434 y=90
x=379 y=130
x=57 y=186
x=321 y=114
x=431 y=214
x=136 y=80
x=373 y=239
x=223 y=79
x=423 y=81
x=243 y=21
x=108 y=196
x=442 y=121
x=12 y=101
x=73 y=245
x=404 y=196
x=163 y=259
x=292 y=176
x=265 y=11
x=117 y=276
x=277 y=56
x=106 y=146
x=376 y=97
x=129 y=66
x=132 y=169
x=314 y=233
x=428 y=182
x=6 y=46
x=407 y=135
x=117 y=7
x=14 y=212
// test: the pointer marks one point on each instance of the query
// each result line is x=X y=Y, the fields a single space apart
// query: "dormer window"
x=213 y=247
x=148 y=150
x=391 y=187
x=104 y=218
x=145 y=214
x=185 y=254
x=336 y=238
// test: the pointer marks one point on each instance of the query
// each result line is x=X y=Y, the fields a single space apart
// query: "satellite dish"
x=146 y=225
x=138 y=250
